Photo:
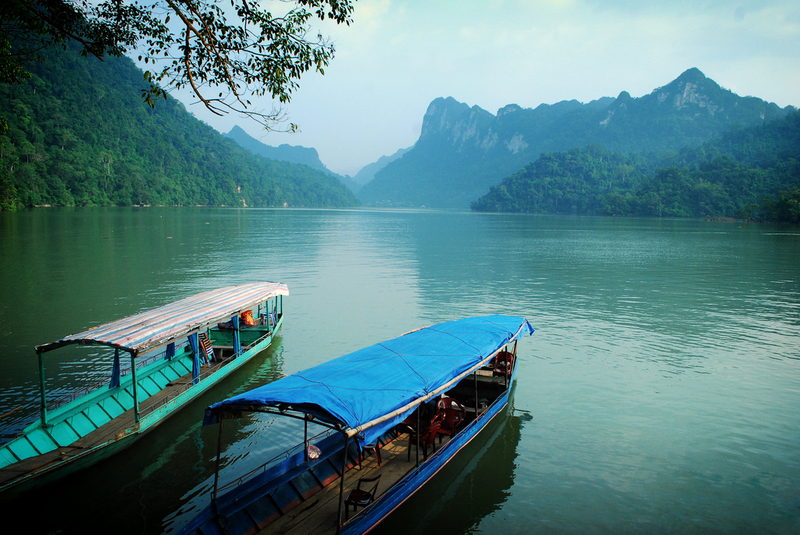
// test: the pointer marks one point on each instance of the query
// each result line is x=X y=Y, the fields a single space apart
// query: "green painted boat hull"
x=108 y=404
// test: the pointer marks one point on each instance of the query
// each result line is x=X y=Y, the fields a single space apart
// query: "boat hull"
x=237 y=511
x=445 y=383
x=20 y=478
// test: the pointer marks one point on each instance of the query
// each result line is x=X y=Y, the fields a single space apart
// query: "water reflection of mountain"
x=461 y=258
x=472 y=486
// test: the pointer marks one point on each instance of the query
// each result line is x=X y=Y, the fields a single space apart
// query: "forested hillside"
x=753 y=172
x=80 y=135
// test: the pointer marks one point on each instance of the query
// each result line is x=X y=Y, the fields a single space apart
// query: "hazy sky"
x=399 y=55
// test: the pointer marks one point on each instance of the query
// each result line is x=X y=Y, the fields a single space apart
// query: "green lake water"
x=660 y=392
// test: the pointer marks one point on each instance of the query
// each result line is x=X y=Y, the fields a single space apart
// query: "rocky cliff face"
x=696 y=98
x=464 y=150
x=457 y=123
x=692 y=91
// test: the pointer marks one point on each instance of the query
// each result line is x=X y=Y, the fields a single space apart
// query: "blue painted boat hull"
x=468 y=364
x=399 y=493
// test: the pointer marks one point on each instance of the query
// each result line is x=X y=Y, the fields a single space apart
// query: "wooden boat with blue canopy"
x=425 y=394
x=173 y=353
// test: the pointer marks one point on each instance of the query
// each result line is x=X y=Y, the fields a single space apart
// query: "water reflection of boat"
x=428 y=393
x=176 y=352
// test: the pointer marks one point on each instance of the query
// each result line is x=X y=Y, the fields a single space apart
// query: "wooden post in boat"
x=237 y=336
x=43 y=408
x=135 y=389
x=418 y=431
x=341 y=485
x=305 y=439
x=216 y=463
x=475 y=377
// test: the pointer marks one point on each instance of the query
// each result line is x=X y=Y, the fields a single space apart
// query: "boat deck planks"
x=317 y=516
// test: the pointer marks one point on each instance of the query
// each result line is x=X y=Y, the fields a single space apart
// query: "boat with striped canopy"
x=159 y=360
x=363 y=415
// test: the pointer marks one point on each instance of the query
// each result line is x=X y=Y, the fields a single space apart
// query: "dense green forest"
x=747 y=173
x=80 y=135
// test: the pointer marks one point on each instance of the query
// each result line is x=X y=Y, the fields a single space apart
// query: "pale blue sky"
x=399 y=55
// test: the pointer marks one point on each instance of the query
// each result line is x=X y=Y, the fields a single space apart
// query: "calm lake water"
x=660 y=392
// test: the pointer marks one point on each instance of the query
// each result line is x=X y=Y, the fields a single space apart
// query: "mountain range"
x=751 y=173
x=462 y=151
x=285 y=153
x=367 y=173
x=80 y=135
x=295 y=154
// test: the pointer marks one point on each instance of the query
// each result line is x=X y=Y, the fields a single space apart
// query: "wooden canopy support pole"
x=475 y=380
x=507 y=369
x=305 y=439
x=418 y=431
x=341 y=485
x=513 y=363
x=42 y=391
x=135 y=389
x=237 y=336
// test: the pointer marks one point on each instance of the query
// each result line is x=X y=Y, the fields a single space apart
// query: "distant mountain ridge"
x=463 y=150
x=288 y=153
x=367 y=173
x=283 y=153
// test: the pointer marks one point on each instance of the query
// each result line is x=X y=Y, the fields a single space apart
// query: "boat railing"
x=141 y=362
x=283 y=456
x=72 y=396
x=102 y=383
x=267 y=334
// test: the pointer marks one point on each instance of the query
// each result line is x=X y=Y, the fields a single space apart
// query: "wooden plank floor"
x=318 y=515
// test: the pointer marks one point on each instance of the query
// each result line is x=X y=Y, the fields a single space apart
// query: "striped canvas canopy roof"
x=161 y=325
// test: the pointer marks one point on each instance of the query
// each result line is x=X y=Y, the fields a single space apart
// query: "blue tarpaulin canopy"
x=364 y=391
